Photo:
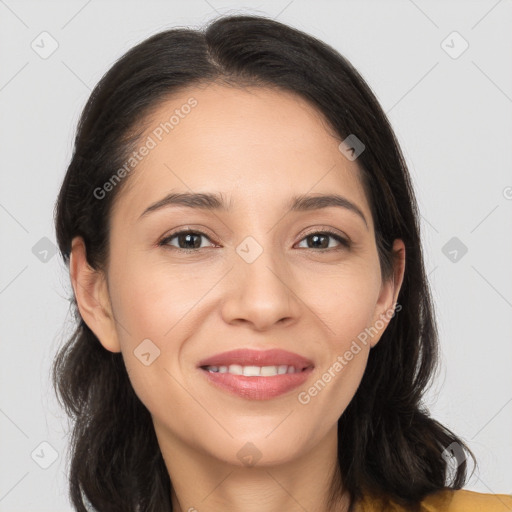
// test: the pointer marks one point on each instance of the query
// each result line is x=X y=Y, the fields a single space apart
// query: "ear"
x=385 y=307
x=91 y=293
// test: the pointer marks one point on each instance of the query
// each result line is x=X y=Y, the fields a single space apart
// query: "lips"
x=250 y=357
x=256 y=386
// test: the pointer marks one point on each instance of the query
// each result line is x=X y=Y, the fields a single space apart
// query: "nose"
x=261 y=293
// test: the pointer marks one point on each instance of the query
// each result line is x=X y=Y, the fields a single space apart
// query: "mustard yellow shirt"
x=448 y=501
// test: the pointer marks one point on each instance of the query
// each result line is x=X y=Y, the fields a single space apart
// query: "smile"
x=254 y=371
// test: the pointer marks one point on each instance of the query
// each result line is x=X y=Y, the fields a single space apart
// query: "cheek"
x=345 y=302
x=153 y=301
x=157 y=309
x=346 y=309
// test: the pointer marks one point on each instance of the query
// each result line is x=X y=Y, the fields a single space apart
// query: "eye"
x=187 y=240
x=320 y=240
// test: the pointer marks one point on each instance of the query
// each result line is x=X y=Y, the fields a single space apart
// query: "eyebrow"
x=209 y=201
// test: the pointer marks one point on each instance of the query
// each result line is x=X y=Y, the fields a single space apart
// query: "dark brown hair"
x=388 y=443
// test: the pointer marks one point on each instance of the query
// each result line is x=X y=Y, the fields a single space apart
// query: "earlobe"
x=92 y=297
x=387 y=303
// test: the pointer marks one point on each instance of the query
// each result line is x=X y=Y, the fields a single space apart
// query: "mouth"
x=254 y=371
x=256 y=374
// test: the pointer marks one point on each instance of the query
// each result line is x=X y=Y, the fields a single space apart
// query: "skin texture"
x=257 y=147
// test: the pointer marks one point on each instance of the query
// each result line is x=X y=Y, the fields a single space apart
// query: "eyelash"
x=346 y=244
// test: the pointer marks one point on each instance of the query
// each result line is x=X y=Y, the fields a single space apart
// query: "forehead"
x=254 y=145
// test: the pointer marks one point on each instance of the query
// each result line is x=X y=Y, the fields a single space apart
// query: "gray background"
x=452 y=118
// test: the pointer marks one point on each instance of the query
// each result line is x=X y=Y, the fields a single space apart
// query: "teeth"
x=282 y=369
x=253 y=371
x=235 y=369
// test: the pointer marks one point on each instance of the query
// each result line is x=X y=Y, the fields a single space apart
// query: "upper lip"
x=251 y=357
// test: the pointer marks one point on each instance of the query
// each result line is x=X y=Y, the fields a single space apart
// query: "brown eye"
x=186 y=240
x=320 y=240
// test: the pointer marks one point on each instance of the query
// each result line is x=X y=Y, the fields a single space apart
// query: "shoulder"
x=466 y=501
x=447 y=500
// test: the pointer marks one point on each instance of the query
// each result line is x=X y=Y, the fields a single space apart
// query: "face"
x=190 y=283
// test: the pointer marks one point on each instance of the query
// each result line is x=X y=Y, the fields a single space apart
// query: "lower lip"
x=257 y=388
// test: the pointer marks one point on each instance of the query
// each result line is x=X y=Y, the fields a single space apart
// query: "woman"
x=254 y=325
